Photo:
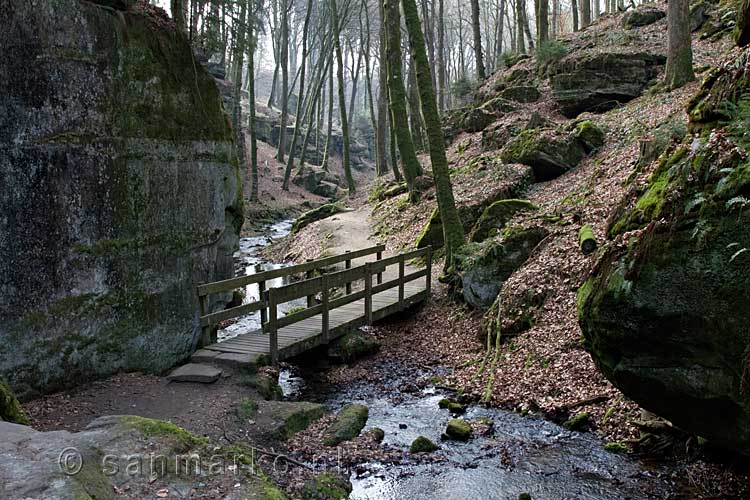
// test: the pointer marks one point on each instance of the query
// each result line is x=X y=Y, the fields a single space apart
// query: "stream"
x=523 y=454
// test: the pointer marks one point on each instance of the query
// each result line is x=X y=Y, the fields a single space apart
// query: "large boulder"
x=665 y=312
x=600 y=81
x=10 y=409
x=642 y=16
x=349 y=422
x=316 y=214
x=548 y=152
x=484 y=267
x=496 y=216
x=120 y=193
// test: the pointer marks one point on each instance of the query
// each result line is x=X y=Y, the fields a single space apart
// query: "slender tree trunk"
x=397 y=93
x=239 y=52
x=478 y=59
x=680 y=51
x=415 y=113
x=394 y=155
x=251 y=119
x=543 y=22
x=585 y=12
x=178 y=14
x=284 y=60
x=329 y=132
x=381 y=137
x=500 y=34
x=526 y=28
x=379 y=170
x=452 y=228
x=441 y=55
x=555 y=17
x=574 y=10
x=300 y=99
x=342 y=98
x=520 y=43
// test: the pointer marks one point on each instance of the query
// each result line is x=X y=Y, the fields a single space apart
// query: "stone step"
x=195 y=372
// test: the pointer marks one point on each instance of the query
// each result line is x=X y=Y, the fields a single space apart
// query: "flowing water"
x=523 y=454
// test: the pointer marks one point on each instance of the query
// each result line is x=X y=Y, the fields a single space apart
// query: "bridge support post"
x=348 y=283
x=324 y=314
x=401 y=272
x=380 y=274
x=368 y=293
x=273 y=337
x=205 y=329
x=309 y=275
x=428 y=276
x=262 y=298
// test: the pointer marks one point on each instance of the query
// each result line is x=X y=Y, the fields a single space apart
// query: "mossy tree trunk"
x=239 y=53
x=381 y=131
x=342 y=97
x=299 y=122
x=542 y=22
x=520 y=43
x=178 y=14
x=574 y=10
x=397 y=95
x=477 y=32
x=329 y=128
x=680 y=51
x=452 y=227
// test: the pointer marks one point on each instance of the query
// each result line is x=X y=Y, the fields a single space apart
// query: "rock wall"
x=119 y=192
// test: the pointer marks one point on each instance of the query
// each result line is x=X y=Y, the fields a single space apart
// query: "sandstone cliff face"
x=119 y=192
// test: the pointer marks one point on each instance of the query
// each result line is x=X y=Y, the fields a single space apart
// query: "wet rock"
x=422 y=445
x=402 y=426
x=378 y=434
x=10 y=408
x=549 y=153
x=524 y=496
x=266 y=385
x=327 y=486
x=458 y=430
x=642 y=16
x=452 y=406
x=484 y=267
x=352 y=346
x=119 y=191
x=348 y=424
x=599 y=82
x=194 y=372
x=496 y=216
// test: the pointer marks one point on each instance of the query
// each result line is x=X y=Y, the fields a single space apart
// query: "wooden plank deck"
x=306 y=334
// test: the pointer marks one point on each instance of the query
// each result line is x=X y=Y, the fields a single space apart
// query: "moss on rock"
x=349 y=422
x=496 y=216
x=316 y=214
x=458 y=430
x=548 y=153
x=352 y=346
x=422 y=445
x=327 y=486
x=10 y=408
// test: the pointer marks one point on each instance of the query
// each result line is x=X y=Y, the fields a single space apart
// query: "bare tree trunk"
x=543 y=22
x=329 y=132
x=284 y=60
x=479 y=60
x=239 y=52
x=574 y=10
x=441 y=55
x=585 y=12
x=680 y=52
x=342 y=98
x=381 y=137
x=415 y=113
x=300 y=99
x=251 y=119
x=555 y=17
x=520 y=44
x=178 y=14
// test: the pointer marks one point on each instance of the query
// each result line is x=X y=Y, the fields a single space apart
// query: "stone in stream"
x=288 y=418
x=327 y=486
x=352 y=346
x=194 y=372
x=457 y=430
x=348 y=424
x=422 y=445
x=452 y=406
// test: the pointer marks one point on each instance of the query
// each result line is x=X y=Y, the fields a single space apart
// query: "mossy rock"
x=327 y=486
x=422 y=445
x=10 y=408
x=349 y=422
x=496 y=216
x=616 y=447
x=484 y=267
x=579 y=422
x=267 y=386
x=316 y=214
x=642 y=16
x=458 y=430
x=181 y=439
x=452 y=406
x=296 y=417
x=547 y=152
x=590 y=135
x=378 y=434
x=665 y=317
x=521 y=93
x=477 y=119
x=352 y=346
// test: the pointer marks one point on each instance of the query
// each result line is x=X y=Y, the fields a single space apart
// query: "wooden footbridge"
x=338 y=300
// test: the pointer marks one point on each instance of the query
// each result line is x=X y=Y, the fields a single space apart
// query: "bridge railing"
x=323 y=284
x=308 y=269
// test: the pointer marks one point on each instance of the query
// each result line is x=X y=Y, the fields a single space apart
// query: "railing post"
x=261 y=293
x=205 y=330
x=368 y=293
x=348 y=283
x=324 y=315
x=401 y=272
x=428 y=276
x=380 y=274
x=308 y=275
x=273 y=337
